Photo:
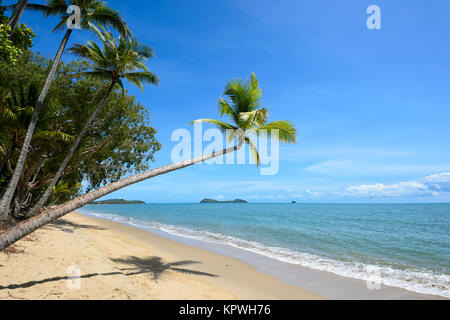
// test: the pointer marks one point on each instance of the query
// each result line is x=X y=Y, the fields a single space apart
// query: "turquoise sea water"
x=402 y=245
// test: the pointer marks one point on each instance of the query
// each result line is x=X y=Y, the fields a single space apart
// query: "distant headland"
x=217 y=201
x=118 y=201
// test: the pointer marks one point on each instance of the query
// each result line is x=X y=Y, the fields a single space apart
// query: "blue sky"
x=371 y=106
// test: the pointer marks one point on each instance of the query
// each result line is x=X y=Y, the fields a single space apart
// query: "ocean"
x=399 y=245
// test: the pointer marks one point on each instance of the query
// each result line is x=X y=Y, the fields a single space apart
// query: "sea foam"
x=416 y=280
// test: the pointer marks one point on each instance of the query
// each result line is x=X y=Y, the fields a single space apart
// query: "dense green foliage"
x=20 y=41
x=120 y=142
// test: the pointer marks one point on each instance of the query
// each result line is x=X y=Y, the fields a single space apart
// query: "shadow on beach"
x=156 y=266
x=64 y=224
x=151 y=265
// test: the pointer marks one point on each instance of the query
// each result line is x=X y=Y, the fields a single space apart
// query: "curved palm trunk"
x=17 y=14
x=25 y=228
x=6 y=199
x=43 y=199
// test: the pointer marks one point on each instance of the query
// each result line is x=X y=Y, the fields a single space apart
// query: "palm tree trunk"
x=43 y=199
x=6 y=158
x=25 y=228
x=6 y=199
x=17 y=14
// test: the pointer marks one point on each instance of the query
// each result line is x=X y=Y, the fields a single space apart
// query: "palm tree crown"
x=92 y=11
x=120 y=59
x=248 y=116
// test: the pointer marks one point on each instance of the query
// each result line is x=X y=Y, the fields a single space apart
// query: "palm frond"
x=137 y=78
x=285 y=129
x=245 y=96
x=225 y=108
x=100 y=75
x=108 y=17
x=257 y=118
x=253 y=150
x=42 y=8
x=54 y=135
x=118 y=59
x=9 y=114
x=98 y=33
x=220 y=124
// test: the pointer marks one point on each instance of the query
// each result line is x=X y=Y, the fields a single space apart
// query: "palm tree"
x=92 y=11
x=16 y=110
x=115 y=62
x=16 y=15
x=247 y=116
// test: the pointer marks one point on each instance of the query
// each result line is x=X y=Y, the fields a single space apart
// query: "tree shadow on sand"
x=54 y=279
x=153 y=265
x=63 y=224
x=156 y=266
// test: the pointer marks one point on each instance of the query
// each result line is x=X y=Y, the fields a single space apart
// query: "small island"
x=217 y=201
x=294 y=201
x=118 y=201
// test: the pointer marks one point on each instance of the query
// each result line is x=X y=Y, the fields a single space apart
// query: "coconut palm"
x=15 y=112
x=247 y=116
x=16 y=15
x=118 y=60
x=91 y=11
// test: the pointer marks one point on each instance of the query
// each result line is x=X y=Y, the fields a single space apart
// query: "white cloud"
x=438 y=182
x=314 y=193
x=431 y=185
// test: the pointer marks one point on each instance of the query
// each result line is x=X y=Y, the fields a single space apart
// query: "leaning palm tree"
x=115 y=62
x=247 y=116
x=91 y=11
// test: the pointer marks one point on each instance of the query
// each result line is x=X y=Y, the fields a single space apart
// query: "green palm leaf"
x=253 y=150
x=54 y=135
x=245 y=110
x=138 y=78
x=117 y=59
x=286 y=130
x=220 y=124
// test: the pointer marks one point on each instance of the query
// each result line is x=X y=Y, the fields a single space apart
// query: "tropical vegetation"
x=70 y=133
x=91 y=11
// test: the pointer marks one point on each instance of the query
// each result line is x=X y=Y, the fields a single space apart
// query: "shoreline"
x=119 y=261
x=116 y=261
x=325 y=284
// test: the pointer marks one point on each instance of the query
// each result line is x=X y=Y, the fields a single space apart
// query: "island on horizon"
x=118 y=201
x=217 y=201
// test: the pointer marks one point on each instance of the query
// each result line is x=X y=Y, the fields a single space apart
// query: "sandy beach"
x=115 y=261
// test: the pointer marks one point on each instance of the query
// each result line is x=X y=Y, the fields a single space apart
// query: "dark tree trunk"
x=6 y=199
x=43 y=199
x=16 y=15
x=6 y=158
